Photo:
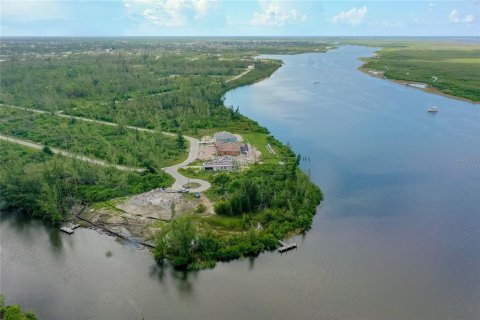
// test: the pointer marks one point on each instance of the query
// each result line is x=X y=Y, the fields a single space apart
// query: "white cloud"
x=274 y=13
x=469 y=18
x=351 y=17
x=169 y=13
x=33 y=10
x=454 y=17
x=387 y=24
x=201 y=7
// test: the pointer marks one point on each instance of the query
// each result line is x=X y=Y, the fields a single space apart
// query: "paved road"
x=180 y=180
x=68 y=154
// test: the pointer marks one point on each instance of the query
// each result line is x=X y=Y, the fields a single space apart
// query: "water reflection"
x=184 y=280
x=157 y=272
x=17 y=220
x=55 y=240
x=251 y=262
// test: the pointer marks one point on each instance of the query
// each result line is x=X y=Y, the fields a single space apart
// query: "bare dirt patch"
x=157 y=204
x=142 y=216
x=206 y=151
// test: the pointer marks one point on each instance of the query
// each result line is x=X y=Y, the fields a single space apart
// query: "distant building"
x=207 y=140
x=229 y=148
x=224 y=137
x=244 y=149
x=226 y=163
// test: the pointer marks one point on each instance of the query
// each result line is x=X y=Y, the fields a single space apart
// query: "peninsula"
x=448 y=67
x=132 y=137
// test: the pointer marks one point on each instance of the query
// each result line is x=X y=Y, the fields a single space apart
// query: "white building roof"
x=223 y=135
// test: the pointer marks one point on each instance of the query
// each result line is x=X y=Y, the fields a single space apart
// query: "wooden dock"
x=66 y=230
x=69 y=229
x=286 y=247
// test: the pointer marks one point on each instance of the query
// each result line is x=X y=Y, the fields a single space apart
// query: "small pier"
x=270 y=149
x=286 y=247
x=69 y=229
x=66 y=230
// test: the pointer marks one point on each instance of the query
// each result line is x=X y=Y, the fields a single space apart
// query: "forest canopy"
x=173 y=86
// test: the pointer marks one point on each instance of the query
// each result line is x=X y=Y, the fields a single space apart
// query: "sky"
x=239 y=18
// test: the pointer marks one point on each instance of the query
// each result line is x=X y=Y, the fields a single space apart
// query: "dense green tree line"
x=153 y=88
x=47 y=186
x=189 y=109
x=174 y=86
x=227 y=47
x=116 y=145
x=107 y=76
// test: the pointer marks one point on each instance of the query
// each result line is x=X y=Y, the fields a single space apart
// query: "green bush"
x=48 y=186
x=201 y=208
x=14 y=312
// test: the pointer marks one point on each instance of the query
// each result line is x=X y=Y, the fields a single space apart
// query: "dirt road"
x=68 y=154
x=180 y=180
x=249 y=68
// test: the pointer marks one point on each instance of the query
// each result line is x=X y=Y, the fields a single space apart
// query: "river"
x=397 y=237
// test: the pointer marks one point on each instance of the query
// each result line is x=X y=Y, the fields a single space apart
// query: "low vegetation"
x=14 y=312
x=47 y=186
x=255 y=208
x=116 y=145
x=452 y=69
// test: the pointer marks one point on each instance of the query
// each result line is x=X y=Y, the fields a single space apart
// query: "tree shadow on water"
x=251 y=262
x=16 y=220
x=184 y=280
x=157 y=271
x=55 y=240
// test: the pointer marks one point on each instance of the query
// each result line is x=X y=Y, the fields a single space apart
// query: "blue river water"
x=397 y=237
x=401 y=220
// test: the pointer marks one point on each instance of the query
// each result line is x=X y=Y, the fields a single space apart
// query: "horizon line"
x=237 y=36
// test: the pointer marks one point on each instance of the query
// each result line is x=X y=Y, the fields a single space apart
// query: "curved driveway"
x=180 y=179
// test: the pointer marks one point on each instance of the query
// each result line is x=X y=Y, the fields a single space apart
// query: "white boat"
x=433 y=109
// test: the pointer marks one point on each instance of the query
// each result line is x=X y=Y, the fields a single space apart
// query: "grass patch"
x=451 y=68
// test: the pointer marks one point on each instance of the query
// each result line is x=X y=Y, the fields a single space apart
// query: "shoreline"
x=406 y=83
x=144 y=239
x=237 y=244
x=253 y=82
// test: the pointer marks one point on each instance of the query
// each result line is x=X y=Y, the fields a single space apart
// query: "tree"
x=223 y=208
x=14 y=312
x=221 y=179
x=173 y=210
x=181 y=141
x=178 y=242
x=47 y=150
x=201 y=208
